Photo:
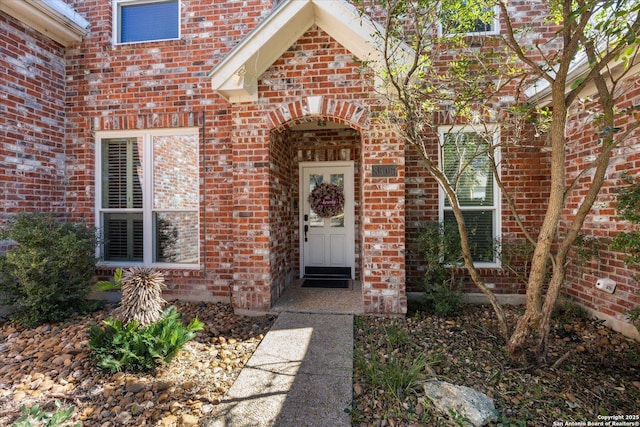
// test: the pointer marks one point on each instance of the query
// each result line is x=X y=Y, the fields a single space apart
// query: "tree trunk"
x=555 y=284
x=541 y=255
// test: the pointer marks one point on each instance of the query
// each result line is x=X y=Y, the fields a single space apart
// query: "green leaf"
x=577 y=82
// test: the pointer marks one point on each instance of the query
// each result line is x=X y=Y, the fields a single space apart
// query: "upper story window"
x=145 y=20
x=147 y=197
x=469 y=17
x=466 y=157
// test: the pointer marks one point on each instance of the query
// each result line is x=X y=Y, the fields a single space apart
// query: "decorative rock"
x=477 y=407
x=188 y=385
x=107 y=390
x=169 y=421
x=124 y=418
x=162 y=385
x=188 y=420
x=87 y=412
x=133 y=385
x=174 y=407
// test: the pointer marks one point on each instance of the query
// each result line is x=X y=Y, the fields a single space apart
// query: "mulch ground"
x=598 y=376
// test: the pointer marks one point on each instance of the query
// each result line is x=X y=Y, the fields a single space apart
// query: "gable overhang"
x=236 y=76
x=52 y=18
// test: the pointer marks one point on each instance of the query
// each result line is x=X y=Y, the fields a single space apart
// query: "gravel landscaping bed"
x=598 y=371
x=51 y=362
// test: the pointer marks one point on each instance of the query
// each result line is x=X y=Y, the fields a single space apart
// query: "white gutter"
x=53 y=18
x=541 y=90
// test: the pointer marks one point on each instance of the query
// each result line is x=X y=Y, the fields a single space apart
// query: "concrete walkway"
x=300 y=375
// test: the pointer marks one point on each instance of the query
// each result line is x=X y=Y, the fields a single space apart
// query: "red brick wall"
x=156 y=85
x=249 y=249
x=32 y=103
x=524 y=169
x=603 y=222
x=383 y=224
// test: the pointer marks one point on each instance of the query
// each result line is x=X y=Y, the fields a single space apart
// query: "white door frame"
x=348 y=207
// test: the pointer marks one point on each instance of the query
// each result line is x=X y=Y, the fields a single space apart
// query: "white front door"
x=327 y=243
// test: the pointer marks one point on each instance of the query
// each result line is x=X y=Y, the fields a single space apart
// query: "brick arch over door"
x=341 y=111
x=381 y=229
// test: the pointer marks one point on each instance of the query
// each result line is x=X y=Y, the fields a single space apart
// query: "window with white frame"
x=147 y=196
x=469 y=17
x=145 y=20
x=466 y=157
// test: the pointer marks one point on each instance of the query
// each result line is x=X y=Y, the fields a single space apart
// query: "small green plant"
x=394 y=364
x=395 y=374
x=35 y=416
x=566 y=311
x=633 y=356
x=131 y=347
x=459 y=419
x=442 y=257
x=397 y=336
x=110 y=285
x=46 y=272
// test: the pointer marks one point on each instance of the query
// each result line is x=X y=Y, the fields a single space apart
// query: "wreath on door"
x=327 y=200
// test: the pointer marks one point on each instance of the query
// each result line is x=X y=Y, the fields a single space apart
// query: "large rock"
x=476 y=407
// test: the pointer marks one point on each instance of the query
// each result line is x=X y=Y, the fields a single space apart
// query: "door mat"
x=328 y=272
x=326 y=283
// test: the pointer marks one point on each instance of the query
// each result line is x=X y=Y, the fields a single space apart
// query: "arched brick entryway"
x=265 y=205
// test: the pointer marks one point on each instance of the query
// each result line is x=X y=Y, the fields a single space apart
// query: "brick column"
x=383 y=224
x=251 y=277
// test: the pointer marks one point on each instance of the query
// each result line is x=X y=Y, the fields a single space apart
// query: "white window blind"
x=468 y=166
x=148 y=196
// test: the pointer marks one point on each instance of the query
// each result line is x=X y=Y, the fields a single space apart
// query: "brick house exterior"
x=261 y=91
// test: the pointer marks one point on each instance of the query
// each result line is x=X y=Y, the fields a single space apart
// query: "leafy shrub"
x=36 y=416
x=445 y=299
x=46 y=273
x=516 y=256
x=131 y=347
x=442 y=256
